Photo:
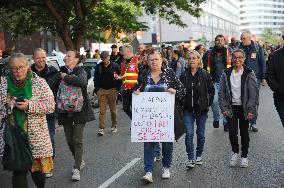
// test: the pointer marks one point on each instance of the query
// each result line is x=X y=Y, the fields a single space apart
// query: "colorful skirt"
x=45 y=165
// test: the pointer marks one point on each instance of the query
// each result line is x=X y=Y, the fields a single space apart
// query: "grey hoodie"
x=249 y=92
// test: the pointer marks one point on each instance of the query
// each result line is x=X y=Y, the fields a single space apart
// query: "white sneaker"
x=234 y=159
x=199 y=161
x=113 y=129
x=76 y=175
x=244 y=162
x=148 y=177
x=101 y=132
x=83 y=164
x=190 y=165
x=48 y=175
x=166 y=173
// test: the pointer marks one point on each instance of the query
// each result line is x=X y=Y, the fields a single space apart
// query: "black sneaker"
x=216 y=124
x=253 y=128
x=226 y=128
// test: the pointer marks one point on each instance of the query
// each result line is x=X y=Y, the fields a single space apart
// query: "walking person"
x=107 y=85
x=158 y=79
x=275 y=80
x=52 y=77
x=28 y=99
x=129 y=75
x=74 y=123
x=254 y=60
x=198 y=99
x=177 y=62
x=238 y=100
x=215 y=61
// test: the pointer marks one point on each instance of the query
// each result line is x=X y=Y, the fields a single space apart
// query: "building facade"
x=218 y=17
x=256 y=15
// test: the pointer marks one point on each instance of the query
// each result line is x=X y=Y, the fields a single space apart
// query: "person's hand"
x=136 y=92
x=263 y=82
x=62 y=75
x=226 y=113
x=23 y=105
x=250 y=116
x=172 y=91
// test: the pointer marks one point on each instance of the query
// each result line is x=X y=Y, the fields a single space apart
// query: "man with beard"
x=215 y=61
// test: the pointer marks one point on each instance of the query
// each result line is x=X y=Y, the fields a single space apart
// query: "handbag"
x=69 y=98
x=179 y=127
x=17 y=154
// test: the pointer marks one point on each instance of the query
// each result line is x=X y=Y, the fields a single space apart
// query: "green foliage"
x=268 y=36
x=78 y=19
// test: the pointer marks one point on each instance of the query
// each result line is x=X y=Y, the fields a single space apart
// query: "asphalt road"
x=114 y=161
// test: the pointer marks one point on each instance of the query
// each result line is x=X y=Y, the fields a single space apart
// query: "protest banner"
x=152 y=117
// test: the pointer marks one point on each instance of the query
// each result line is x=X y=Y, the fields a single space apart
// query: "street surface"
x=113 y=161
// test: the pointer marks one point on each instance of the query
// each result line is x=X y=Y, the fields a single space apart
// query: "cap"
x=113 y=46
x=104 y=54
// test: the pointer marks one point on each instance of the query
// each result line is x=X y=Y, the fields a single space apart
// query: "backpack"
x=69 y=98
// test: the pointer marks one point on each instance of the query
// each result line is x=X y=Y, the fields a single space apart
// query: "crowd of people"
x=226 y=77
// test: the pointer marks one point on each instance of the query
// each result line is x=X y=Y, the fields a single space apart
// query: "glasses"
x=17 y=69
x=241 y=58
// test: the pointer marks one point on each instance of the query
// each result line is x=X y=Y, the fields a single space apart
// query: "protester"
x=74 y=123
x=28 y=99
x=114 y=56
x=107 y=85
x=129 y=76
x=238 y=100
x=215 y=61
x=275 y=80
x=141 y=48
x=177 y=63
x=52 y=77
x=255 y=61
x=158 y=79
x=201 y=49
x=198 y=99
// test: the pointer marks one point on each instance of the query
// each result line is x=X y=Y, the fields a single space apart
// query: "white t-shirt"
x=235 y=80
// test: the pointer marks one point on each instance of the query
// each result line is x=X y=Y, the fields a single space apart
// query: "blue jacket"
x=255 y=59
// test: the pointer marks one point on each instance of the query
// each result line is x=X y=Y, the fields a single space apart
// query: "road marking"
x=119 y=173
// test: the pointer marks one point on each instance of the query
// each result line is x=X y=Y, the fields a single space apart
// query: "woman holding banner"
x=158 y=79
x=199 y=97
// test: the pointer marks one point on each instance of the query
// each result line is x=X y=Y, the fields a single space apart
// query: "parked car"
x=89 y=65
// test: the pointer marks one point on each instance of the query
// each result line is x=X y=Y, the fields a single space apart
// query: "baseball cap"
x=104 y=54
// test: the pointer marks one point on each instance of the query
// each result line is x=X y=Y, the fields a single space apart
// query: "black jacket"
x=97 y=76
x=78 y=77
x=275 y=73
x=204 y=88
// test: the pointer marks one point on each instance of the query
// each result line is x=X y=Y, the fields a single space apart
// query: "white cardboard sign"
x=152 y=117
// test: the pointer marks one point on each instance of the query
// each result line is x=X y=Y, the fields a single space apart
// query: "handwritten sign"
x=152 y=117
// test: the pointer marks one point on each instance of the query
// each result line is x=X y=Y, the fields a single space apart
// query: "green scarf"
x=24 y=91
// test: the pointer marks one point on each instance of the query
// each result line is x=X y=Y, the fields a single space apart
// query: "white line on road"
x=119 y=173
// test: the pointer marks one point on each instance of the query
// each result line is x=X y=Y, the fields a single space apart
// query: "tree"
x=74 y=20
x=268 y=36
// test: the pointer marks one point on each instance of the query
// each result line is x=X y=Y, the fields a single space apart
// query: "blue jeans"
x=149 y=154
x=215 y=105
x=189 y=119
x=279 y=105
x=51 y=128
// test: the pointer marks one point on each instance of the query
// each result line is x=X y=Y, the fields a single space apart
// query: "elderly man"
x=52 y=77
x=129 y=75
x=254 y=60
